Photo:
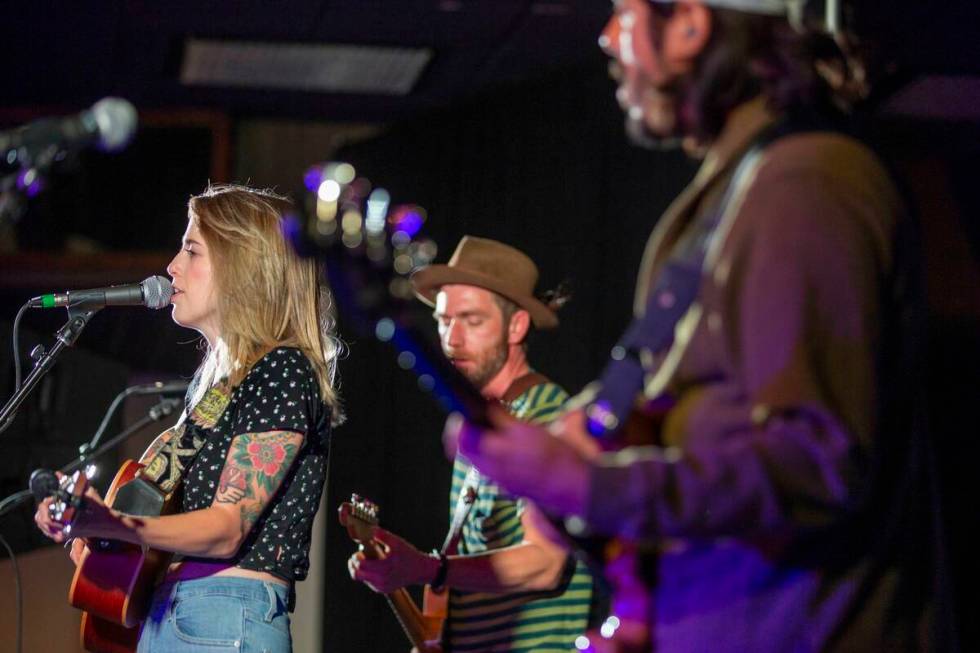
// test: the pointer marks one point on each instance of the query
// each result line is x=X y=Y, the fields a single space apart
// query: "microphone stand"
x=162 y=409
x=44 y=361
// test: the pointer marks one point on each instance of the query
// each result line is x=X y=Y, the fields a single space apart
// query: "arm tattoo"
x=232 y=487
x=255 y=468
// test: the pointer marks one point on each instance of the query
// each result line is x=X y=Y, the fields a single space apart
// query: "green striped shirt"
x=520 y=621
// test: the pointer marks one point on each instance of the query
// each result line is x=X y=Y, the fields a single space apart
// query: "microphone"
x=152 y=292
x=109 y=124
x=161 y=388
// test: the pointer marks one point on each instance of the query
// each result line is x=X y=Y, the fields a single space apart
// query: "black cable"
x=16 y=339
x=13 y=501
x=20 y=597
x=16 y=345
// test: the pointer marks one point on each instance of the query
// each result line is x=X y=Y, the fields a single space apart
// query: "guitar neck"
x=435 y=373
x=359 y=516
x=453 y=391
x=409 y=616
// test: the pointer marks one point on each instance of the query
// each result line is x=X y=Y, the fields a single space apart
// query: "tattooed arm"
x=255 y=467
x=254 y=470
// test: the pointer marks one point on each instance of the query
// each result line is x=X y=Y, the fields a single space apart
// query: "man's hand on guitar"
x=397 y=564
x=550 y=468
x=570 y=427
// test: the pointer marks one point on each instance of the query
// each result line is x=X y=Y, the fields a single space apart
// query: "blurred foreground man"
x=780 y=504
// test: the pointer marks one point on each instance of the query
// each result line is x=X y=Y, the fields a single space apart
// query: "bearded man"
x=510 y=588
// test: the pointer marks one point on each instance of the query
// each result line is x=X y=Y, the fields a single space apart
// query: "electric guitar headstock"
x=370 y=248
x=68 y=493
x=360 y=517
x=373 y=245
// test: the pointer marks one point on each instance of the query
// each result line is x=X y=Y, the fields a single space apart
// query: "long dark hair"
x=750 y=55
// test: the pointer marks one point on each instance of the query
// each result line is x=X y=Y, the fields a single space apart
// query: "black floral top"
x=280 y=393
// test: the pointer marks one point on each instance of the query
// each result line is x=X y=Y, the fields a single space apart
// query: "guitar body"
x=435 y=611
x=103 y=636
x=114 y=581
x=627 y=627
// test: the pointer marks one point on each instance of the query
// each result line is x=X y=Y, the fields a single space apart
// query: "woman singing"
x=251 y=450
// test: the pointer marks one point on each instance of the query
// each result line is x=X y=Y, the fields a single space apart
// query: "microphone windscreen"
x=116 y=120
x=157 y=291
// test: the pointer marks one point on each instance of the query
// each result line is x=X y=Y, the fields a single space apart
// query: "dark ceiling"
x=68 y=54
x=61 y=53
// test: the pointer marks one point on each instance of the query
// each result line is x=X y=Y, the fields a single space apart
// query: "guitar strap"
x=611 y=399
x=166 y=469
x=464 y=504
x=522 y=384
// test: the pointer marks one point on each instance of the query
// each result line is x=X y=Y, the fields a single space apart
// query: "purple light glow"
x=291 y=229
x=408 y=220
x=29 y=182
x=313 y=177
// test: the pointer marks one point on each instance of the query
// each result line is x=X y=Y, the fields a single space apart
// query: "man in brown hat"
x=511 y=589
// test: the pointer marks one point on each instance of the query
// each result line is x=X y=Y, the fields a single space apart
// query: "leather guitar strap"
x=522 y=384
x=464 y=504
x=167 y=468
x=670 y=298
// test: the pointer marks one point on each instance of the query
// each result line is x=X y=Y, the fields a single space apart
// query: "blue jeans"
x=216 y=615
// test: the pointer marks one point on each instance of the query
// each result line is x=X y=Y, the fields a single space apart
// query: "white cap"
x=792 y=9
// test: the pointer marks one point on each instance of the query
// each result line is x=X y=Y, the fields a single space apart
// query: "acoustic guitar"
x=114 y=581
x=422 y=627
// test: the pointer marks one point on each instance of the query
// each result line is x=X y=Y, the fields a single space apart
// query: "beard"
x=654 y=121
x=487 y=364
x=641 y=135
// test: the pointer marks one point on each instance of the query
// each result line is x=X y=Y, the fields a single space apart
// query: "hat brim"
x=429 y=279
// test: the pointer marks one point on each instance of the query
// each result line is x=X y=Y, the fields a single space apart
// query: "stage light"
x=328 y=191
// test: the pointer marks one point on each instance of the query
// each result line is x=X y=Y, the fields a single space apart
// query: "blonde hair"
x=267 y=296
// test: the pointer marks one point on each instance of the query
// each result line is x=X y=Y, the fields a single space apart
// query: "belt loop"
x=273 y=601
x=171 y=604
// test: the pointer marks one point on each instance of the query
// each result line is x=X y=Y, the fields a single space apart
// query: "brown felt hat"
x=492 y=265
